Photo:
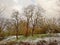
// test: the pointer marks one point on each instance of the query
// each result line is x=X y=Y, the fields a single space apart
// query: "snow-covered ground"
x=13 y=38
x=8 y=39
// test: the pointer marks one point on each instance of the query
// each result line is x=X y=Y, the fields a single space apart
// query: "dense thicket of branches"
x=35 y=23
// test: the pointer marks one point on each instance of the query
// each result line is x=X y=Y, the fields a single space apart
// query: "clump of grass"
x=22 y=38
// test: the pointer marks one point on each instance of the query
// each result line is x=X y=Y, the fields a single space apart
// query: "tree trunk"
x=27 y=27
x=17 y=29
x=33 y=29
x=17 y=33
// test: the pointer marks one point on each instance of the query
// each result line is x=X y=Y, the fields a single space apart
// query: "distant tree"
x=3 y=25
x=58 y=24
x=9 y=27
x=52 y=26
x=2 y=21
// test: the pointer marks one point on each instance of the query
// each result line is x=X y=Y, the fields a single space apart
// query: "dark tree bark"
x=27 y=27
x=33 y=29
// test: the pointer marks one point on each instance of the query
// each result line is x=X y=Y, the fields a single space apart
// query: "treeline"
x=31 y=22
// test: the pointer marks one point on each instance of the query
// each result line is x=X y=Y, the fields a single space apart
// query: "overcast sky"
x=50 y=6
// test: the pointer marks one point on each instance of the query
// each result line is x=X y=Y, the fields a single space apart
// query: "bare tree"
x=36 y=17
x=32 y=13
x=2 y=21
x=3 y=25
x=28 y=12
x=52 y=26
x=9 y=27
x=16 y=21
